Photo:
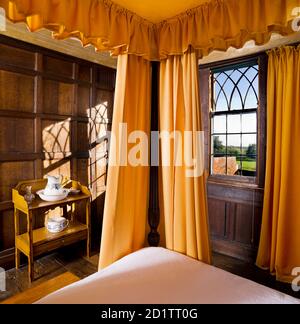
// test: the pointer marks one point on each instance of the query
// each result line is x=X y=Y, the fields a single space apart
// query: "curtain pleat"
x=214 y=25
x=220 y=24
x=126 y=203
x=100 y=23
x=280 y=240
x=184 y=205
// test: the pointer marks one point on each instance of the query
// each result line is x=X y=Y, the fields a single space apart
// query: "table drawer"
x=59 y=243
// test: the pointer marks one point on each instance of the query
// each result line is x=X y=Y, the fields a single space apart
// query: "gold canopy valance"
x=215 y=25
x=220 y=24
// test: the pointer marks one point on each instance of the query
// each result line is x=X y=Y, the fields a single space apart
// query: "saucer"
x=74 y=191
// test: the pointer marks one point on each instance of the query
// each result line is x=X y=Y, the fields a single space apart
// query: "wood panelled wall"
x=235 y=215
x=54 y=110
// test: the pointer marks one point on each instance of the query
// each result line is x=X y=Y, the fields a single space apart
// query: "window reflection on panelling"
x=99 y=117
x=56 y=137
x=18 y=57
x=11 y=173
x=99 y=158
x=104 y=101
x=58 y=98
x=100 y=125
x=16 y=92
x=58 y=67
x=20 y=133
x=98 y=172
x=58 y=167
x=101 y=172
x=56 y=146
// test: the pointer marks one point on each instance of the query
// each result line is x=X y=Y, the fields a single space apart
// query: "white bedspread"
x=159 y=276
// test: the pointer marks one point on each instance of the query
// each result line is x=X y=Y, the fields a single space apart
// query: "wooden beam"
x=16 y=156
x=28 y=115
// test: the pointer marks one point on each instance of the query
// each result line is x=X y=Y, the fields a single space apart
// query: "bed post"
x=153 y=213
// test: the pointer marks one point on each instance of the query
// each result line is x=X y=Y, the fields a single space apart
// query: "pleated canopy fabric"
x=214 y=25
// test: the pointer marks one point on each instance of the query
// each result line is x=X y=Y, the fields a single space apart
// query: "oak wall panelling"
x=53 y=110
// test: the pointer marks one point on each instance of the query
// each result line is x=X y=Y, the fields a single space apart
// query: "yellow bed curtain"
x=184 y=205
x=280 y=238
x=214 y=25
x=126 y=204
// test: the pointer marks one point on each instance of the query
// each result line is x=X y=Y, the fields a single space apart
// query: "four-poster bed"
x=170 y=102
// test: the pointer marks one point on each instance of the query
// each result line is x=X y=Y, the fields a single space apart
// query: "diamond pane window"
x=234 y=120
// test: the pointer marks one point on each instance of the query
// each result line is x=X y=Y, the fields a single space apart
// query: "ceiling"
x=159 y=10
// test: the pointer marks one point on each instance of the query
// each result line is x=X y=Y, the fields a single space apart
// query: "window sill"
x=247 y=183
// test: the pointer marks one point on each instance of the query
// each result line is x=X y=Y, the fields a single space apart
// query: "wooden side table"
x=35 y=242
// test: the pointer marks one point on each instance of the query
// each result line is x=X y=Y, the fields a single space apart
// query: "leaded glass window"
x=235 y=93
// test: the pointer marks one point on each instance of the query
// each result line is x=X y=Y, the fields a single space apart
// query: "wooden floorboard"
x=252 y=272
x=36 y=293
x=67 y=260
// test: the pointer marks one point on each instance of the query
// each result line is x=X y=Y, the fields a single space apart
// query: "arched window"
x=235 y=102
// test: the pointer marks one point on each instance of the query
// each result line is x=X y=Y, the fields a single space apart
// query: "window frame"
x=229 y=112
x=206 y=93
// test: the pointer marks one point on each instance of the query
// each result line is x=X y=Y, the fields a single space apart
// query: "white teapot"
x=54 y=187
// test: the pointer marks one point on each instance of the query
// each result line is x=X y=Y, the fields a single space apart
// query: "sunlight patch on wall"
x=56 y=138
x=56 y=146
x=99 y=127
